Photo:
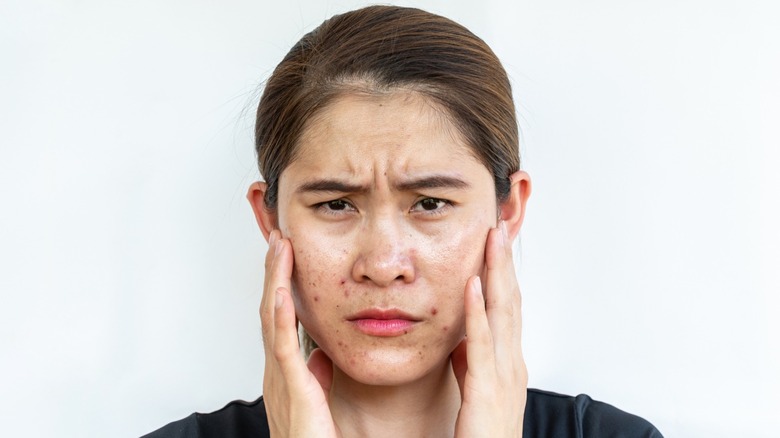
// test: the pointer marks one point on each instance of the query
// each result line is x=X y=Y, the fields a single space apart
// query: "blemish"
x=434 y=311
x=406 y=332
x=343 y=281
x=445 y=328
x=316 y=298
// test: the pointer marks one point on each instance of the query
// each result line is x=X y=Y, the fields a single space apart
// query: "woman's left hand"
x=488 y=363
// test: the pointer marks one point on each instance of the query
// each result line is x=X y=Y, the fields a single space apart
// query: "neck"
x=425 y=407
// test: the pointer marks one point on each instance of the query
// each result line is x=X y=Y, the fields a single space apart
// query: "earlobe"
x=513 y=208
x=266 y=220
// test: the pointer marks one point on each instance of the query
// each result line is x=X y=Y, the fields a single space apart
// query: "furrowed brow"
x=433 y=182
x=330 y=185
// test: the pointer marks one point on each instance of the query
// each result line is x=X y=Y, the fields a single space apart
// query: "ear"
x=512 y=210
x=266 y=220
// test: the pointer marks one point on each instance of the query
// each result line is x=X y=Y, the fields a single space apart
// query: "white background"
x=131 y=264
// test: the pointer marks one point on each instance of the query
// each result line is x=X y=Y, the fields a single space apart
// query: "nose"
x=385 y=255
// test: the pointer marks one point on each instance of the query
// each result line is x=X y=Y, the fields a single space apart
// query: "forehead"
x=399 y=132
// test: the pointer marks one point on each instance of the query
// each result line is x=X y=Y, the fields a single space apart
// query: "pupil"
x=337 y=205
x=429 y=204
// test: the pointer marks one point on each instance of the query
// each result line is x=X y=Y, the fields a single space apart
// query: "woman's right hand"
x=295 y=393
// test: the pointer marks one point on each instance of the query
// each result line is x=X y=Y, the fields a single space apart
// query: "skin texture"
x=387 y=210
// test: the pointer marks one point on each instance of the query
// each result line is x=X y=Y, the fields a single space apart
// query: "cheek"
x=319 y=274
x=447 y=262
x=455 y=253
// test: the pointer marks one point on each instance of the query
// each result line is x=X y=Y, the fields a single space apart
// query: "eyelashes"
x=431 y=206
x=335 y=207
x=425 y=207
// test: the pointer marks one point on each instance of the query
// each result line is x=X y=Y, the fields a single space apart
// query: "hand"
x=488 y=363
x=295 y=393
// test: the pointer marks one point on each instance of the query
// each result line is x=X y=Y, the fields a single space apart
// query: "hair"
x=381 y=49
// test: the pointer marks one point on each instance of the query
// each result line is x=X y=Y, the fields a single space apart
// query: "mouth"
x=383 y=323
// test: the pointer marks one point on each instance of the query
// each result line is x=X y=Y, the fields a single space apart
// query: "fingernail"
x=277 y=247
x=477 y=286
x=504 y=232
x=279 y=300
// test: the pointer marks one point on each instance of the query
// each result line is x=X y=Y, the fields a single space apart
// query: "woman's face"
x=387 y=211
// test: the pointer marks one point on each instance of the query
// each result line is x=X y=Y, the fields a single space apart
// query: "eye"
x=336 y=206
x=430 y=206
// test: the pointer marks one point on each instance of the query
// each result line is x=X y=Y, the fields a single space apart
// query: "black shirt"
x=547 y=415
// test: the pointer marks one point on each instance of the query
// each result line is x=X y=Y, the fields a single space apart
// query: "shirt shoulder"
x=553 y=415
x=238 y=419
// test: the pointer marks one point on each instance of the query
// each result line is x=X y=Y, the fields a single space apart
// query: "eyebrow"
x=330 y=185
x=427 y=182
x=433 y=182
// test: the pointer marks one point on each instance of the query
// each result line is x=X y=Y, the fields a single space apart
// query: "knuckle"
x=282 y=353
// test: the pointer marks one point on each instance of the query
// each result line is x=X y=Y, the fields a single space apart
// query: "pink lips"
x=375 y=322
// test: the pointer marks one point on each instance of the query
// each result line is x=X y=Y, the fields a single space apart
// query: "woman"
x=388 y=142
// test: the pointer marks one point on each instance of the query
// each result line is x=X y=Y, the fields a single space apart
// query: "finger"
x=285 y=340
x=480 y=353
x=502 y=294
x=269 y=257
x=278 y=272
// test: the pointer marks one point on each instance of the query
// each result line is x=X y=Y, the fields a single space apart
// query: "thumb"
x=322 y=367
x=459 y=364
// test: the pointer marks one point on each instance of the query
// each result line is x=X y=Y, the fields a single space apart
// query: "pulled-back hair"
x=379 y=49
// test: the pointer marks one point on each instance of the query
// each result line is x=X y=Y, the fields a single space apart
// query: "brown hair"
x=379 y=49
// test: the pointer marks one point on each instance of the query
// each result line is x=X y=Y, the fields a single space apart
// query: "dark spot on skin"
x=341 y=344
x=445 y=328
x=316 y=298
x=434 y=311
x=343 y=280
x=346 y=292
x=406 y=332
x=419 y=353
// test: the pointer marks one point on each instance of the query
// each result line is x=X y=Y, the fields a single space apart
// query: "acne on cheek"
x=342 y=282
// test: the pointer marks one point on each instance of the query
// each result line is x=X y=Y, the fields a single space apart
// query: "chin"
x=387 y=361
x=381 y=367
